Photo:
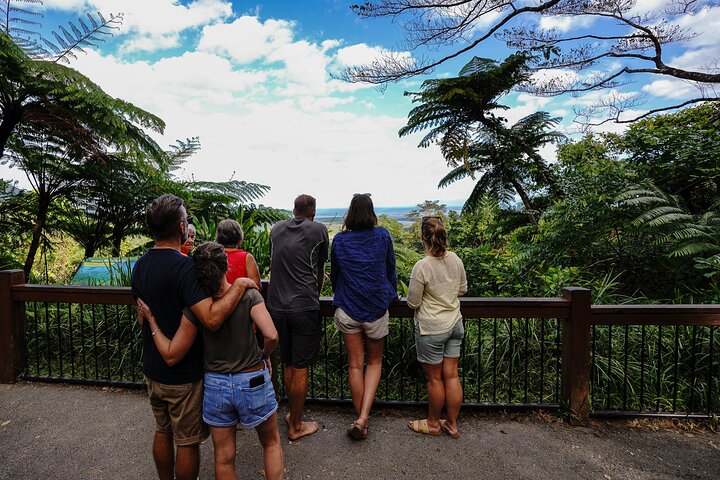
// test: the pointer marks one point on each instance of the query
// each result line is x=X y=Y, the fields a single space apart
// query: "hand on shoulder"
x=245 y=282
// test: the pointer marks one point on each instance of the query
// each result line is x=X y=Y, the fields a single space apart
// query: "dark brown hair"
x=361 y=214
x=163 y=216
x=434 y=236
x=304 y=205
x=211 y=266
x=229 y=233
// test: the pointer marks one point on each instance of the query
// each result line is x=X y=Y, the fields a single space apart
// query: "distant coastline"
x=334 y=216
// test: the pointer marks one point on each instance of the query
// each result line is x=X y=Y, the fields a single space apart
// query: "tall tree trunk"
x=40 y=220
x=117 y=235
x=90 y=250
x=525 y=199
x=10 y=119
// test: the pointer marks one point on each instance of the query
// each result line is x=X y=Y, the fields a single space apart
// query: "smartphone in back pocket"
x=256 y=381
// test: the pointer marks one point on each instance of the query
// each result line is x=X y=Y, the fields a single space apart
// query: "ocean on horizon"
x=334 y=216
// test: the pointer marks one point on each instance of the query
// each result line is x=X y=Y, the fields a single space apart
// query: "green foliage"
x=686 y=238
x=14 y=226
x=68 y=106
x=450 y=107
x=679 y=154
x=606 y=227
x=460 y=114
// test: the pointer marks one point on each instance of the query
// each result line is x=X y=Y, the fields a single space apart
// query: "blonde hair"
x=434 y=236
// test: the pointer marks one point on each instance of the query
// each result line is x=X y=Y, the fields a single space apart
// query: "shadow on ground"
x=49 y=431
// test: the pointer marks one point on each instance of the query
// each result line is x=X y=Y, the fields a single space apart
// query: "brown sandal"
x=357 y=431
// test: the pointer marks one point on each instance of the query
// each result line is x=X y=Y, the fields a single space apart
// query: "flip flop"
x=421 y=426
x=446 y=429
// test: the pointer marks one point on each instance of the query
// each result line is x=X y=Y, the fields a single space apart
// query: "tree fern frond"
x=453 y=176
x=477 y=65
x=661 y=216
x=93 y=22
x=695 y=249
x=76 y=38
x=709 y=218
x=475 y=197
x=61 y=41
x=686 y=233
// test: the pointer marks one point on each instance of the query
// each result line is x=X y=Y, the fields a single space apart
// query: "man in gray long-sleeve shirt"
x=299 y=250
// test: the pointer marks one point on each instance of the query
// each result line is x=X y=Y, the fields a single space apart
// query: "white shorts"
x=375 y=329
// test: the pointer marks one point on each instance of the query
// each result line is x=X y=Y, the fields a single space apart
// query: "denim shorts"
x=431 y=349
x=230 y=400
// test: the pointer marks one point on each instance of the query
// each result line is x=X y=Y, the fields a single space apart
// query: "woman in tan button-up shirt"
x=436 y=282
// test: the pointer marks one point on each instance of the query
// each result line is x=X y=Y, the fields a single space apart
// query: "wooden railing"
x=518 y=352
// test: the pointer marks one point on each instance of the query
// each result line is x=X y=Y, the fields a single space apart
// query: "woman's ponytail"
x=434 y=236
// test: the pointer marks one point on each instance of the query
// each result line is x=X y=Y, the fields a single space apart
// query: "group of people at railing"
x=201 y=317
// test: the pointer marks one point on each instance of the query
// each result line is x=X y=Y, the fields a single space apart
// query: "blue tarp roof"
x=101 y=270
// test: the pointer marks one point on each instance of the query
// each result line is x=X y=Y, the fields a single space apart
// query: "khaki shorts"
x=178 y=410
x=375 y=330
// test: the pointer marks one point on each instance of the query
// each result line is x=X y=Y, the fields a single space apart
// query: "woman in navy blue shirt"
x=362 y=271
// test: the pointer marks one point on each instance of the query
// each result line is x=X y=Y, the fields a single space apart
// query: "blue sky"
x=254 y=80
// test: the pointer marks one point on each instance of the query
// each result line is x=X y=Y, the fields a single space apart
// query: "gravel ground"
x=62 y=432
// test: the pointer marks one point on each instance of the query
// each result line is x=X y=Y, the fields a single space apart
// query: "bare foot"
x=307 y=428
x=450 y=429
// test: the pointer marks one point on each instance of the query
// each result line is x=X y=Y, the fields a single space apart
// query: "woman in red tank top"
x=240 y=263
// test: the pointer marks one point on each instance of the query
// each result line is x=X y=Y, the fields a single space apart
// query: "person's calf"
x=164 y=455
x=187 y=462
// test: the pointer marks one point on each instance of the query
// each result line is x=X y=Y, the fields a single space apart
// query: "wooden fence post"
x=576 y=356
x=12 y=328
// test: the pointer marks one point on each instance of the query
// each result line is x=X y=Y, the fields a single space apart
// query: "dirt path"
x=61 y=432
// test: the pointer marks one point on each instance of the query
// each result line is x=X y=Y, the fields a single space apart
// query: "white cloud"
x=246 y=39
x=294 y=144
x=563 y=23
x=151 y=43
x=155 y=22
x=264 y=105
x=358 y=54
x=303 y=66
x=670 y=88
x=193 y=77
x=647 y=6
x=564 y=76
x=703 y=51
x=598 y=96
x=533 y=101
x=319 y=104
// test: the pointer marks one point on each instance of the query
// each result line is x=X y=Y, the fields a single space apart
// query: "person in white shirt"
x=436 y=282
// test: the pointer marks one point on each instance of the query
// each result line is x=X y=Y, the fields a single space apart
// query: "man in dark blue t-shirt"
x=166 y=280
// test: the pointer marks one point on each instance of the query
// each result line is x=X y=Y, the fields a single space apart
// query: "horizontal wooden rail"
x=64 y=294
x=471 y=307
x=702 y=315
